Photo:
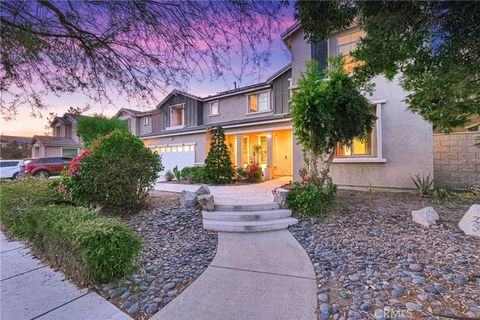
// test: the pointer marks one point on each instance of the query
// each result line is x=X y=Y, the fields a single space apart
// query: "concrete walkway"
x=233 y=194
x=264 y=275
x=31 y=290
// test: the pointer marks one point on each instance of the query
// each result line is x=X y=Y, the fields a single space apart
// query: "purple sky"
x=26 y=125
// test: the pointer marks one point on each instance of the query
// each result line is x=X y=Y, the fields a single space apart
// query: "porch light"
x=269 y=136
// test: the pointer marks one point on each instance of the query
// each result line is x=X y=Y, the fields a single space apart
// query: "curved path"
x=262 y=275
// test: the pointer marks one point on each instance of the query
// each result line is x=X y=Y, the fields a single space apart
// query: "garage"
x=180 y=155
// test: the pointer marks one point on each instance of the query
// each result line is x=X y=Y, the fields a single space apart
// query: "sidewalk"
x=263 y=275
x=31 y=290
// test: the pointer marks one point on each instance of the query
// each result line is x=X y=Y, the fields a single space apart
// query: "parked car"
x=43 y=168
x=11 y=169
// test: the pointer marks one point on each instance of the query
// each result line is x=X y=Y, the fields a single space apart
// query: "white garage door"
x=176 y=155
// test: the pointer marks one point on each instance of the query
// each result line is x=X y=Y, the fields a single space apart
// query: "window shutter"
x=320 y=53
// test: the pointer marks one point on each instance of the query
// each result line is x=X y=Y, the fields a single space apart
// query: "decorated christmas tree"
x=218 y=165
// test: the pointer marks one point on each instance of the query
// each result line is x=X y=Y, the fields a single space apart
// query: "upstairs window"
x=177 y=116
x=259 y=102
x=214 y=110
x=57 y=131
x=346 y=44
x=146 y=121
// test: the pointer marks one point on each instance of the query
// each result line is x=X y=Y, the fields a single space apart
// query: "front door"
x=282 y=152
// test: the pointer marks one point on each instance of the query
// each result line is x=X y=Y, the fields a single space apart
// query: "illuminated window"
x=346 y=44
x=259 y=102
x=214 y=111
x=362 y=148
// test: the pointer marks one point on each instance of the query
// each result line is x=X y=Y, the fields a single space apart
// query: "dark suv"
x=42 y=168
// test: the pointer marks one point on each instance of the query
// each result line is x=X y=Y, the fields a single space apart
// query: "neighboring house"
x=140 y=122
x=257 y=119
x=23 y=142
x=64 y=141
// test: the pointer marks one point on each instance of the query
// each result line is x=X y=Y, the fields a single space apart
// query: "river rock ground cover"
x=176 y=250
x=372 y=261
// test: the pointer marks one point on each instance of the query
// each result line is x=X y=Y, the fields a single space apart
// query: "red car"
x=43 y=168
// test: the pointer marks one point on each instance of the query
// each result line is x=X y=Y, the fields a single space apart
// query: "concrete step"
x=248 y=226
x=246 y=215
x=247 y=207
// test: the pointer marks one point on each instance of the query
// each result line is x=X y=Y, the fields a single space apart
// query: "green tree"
x=91 y=128
x=433 y=45
x=14 y=151
x=326 y=112
x=218 y=165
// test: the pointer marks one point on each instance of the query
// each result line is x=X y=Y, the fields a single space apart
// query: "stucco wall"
x=456 y=160
x=232 y=108
x=197 y=138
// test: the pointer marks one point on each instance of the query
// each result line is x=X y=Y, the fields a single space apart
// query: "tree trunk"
x=312 y=166
x=326 y=167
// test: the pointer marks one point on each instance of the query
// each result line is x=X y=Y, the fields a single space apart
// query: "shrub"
x=169 y=176
x=92 y=128
x=241 y=174
x=254 y=173
x=177 y=173
x=116 y=174
x=423 y=183
x=193 y=174
x=312 y=198
x=218 y=165
x=20 y=196
x=88 y=247
x=441 y=194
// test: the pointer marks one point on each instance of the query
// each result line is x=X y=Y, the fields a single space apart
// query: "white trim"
x=210 y=108
x=153 y=145
x=258 y=130
x=175 y=127
x=216 y=97
x=173 y=134
x=378 y=127
x=378 y=101
x=258 y=93
x=358 y=160
x=176 y=106
x=146 y=121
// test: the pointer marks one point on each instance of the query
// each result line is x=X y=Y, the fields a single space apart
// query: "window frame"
x=210 y=104
x=176 y=106
x=268 y=92
x=146 y=121
x=377 y=150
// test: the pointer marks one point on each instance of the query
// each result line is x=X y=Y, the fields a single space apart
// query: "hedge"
x=88 y=247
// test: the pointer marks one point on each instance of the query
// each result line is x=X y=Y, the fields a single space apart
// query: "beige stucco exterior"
x=405 y=139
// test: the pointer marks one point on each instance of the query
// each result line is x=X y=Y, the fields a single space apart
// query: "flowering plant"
x=255 y=173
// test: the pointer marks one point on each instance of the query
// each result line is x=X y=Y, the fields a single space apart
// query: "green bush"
x=312 y=198
x=89 y=248
x=254 y=173
x=116 y=174
x=193 y=174
x=241 y=174
x=20 y=196
x=169 y=176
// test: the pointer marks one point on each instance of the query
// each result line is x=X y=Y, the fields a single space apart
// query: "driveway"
x=232 y=194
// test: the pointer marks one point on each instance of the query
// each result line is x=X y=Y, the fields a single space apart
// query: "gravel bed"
x=372 y=261
x=176 y=250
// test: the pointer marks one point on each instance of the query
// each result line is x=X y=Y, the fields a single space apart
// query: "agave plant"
x=423 y=183
x=441 y=194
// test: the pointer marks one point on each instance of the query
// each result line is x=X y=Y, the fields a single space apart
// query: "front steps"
x=247 y=218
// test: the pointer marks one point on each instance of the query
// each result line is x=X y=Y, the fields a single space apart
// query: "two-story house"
x=64 y=141
x=140 y=122
x=257 y=120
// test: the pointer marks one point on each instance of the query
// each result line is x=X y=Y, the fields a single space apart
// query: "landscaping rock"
x=426 y=217
x=202 y=190
x=188 y=199
x=206 y=202
x=470 y=223
x=280 y=197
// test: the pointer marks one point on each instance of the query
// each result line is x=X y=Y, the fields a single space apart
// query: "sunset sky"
x=26 y=125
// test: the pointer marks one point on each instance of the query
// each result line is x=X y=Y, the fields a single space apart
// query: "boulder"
x=427 y=217
x=470 y=223
x=206 y=202
x=280 y=197
x=188 y=199
x=202 y=190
